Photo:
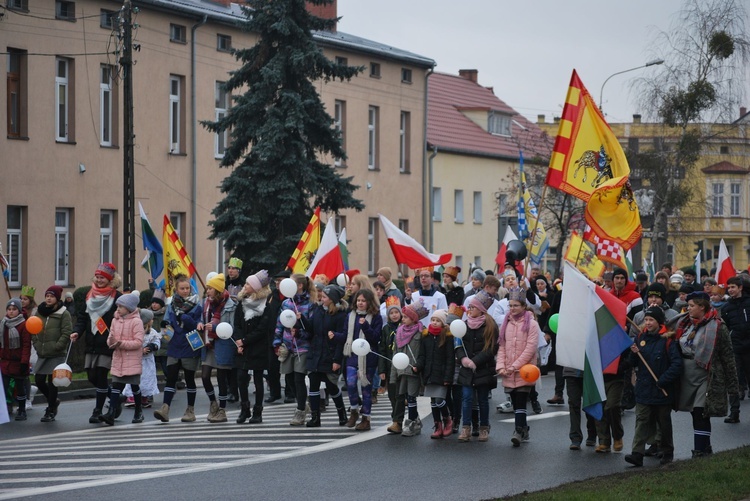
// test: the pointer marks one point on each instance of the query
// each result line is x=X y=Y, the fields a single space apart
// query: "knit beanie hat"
x=128 y=301
x=452 y=271
x=657 y=289
x=676 y=279
x=656 y=313
x=259 y=280
x=106 y=270
x=386 y=272
x=334 y=292
x=146 y=315
x=441 y=315
x=482 y=301
x=55 y=290
x=159 y=297
x=620 y=271
x=216 y=282
x=15 y=302
x=283 y=274
x=416 y=311
x=478 y=275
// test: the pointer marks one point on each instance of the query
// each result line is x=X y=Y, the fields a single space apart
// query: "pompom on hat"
x=106 y=270
x=259 y=280
x=216 y=282
x=14 y=301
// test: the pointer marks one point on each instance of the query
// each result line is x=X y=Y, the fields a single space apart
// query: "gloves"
x=164 y=324
x=466 y=362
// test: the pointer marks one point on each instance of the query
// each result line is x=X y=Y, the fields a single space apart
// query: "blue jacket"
x=182 y=324
x=372 y=331
x=325 y=352
x=666 y=363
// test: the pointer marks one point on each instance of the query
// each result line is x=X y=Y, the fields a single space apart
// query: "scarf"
x=253 y=306
x=14 y=337
x=704 y=349
x=45 y=310
x=361 y=360
x=212 y=309
x=475 y=322
x=434 y=331
x=99 y=300
x=182 y=305
x=525 y=316
x=405 y=333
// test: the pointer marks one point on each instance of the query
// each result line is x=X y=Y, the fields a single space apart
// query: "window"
x=15 y=247
x=460 y=264
x=223 y=44
x=477 y=207
x=221 y=139
x=724 y=150
x=107 y=19
x=106 y=235
x=65 y=10
x=339 y=123
x=437 y=204
x=62 y=246
x=670 y=253
x=375 y=70
x=177 y=33
x=734 y=201
x=177 y=219
x=372 y=132
x=18 y=4
x=404 y=142
x=372 y=245
x=63 y=99
x=405 y=75
x=458 y=206
x=339 y=223
x=342 y=61
x=498 y=123
x=718 y=199
x=478 y=261
x=105 y=107
x=176 y=128
x=16 y=93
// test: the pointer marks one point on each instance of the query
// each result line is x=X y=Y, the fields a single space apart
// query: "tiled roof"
x=449 y=129
x=724 y=167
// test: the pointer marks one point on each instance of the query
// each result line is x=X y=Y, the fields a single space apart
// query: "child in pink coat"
x=126 y=339
x=519 y=338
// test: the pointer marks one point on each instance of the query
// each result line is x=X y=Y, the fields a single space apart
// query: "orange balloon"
x=529 y=373
x=34 y=325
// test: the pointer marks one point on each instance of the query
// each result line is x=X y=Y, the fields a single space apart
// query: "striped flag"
x=629 y=264
x=527 y=220
x=307 y=246
x=154 y=261
x=724 y=267
x=408 y=251
x=176 y=259
x=328 y=260
x=343 y=248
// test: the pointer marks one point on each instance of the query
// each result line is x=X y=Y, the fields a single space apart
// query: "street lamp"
x=655 y=62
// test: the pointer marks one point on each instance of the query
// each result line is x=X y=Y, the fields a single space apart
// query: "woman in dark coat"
x=15 y=353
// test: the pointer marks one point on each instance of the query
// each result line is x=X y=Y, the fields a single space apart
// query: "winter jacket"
x=412 y=349
x=96 y=343
x=128 y=331
x=158 y=318
x=224 y=349
x=736 y=315
x=325 y=352
x=436 y=363
x=254 y=331
x=518 y=348
x=393 y=291
x=54 y=339
x=182 y=324
x=297 y=339
x=630 y=296
x=662 y=353
x=669 y=315
x=472 y=346
x=386 y=347
x=371 y=330
x=15 y=362
x=455 y=295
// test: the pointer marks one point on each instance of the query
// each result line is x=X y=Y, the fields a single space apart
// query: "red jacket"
x=11 y=361
x=629 y=295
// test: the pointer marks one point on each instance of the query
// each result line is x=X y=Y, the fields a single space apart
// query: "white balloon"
x=400 y=361
x=361 y=347
x=288 y=287
x=288 y=318
x=458 y=328
x=211 y=274
x=62 y=375
x=341 y=280
x=224 y=330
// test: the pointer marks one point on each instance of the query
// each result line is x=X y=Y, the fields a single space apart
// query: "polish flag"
x=408 y=251
x=500 y=258
x=328 y=260
x=725 y=268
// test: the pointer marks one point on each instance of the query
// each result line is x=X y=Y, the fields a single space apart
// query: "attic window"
x=498 y=123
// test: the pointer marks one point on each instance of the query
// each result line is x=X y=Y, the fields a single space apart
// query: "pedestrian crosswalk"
x=128 y=452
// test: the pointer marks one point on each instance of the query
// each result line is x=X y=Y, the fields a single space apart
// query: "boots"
x=636 y=459
x=465 y=434
x=160 y=414
x=447 y=426
x=395 y=427
x=109 y=417
x=517 y=437
x=438 y=433
x=353 y=417
x=244 y=413
x=314 y=420
x=298 y=419
x=734 y=417
x=342 y=416
x=21 y=414
x=408 y=429
x=189 y=416
x=257 y=415
x=525 y=435
x=221 y=416
x=363 y=425
x=94 y=419
x=213 y=410
x=475 y=422
x=49 y=415
x=138 y=416
x=484 y=433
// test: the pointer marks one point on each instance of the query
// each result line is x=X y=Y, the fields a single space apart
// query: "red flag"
x=725 y=268
x=408 y=251
x=328 y=260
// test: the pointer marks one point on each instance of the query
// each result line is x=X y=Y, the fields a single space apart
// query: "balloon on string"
x=360 y=347
x=288 y=287
x=554 y=322
x=34 y=325
x=211 y=274
x=224 y=330
x=288 y=318
x=458 y=328
x=341 y=280
x=400 y=361
x=529 y=373
x=62 y=375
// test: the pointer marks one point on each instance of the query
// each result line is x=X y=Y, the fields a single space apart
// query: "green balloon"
x=553 y=321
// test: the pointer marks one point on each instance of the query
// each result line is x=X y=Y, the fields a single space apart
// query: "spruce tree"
x=279 y=131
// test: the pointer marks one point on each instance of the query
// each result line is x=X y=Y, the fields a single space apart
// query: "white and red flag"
x=408 y=251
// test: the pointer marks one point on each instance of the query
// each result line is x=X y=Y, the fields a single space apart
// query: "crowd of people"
x=691 y=350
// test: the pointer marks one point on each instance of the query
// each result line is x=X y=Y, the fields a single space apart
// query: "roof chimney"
x=743 y=111
x=325 y=11
x=636 y=118
x=470 y=75
x=540 y=119
x=556 y=119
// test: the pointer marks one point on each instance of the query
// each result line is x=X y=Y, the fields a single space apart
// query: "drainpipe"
x=431 y=194
x=193 y=148
x=425 y=213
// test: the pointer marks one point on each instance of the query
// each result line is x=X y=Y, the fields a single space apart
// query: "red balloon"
x=34 y=325
x=529 y=373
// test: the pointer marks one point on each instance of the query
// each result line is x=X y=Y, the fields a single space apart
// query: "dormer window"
x=498 y=123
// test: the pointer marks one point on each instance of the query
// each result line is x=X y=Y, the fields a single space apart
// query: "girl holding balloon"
x=519 y=338
x=15 y=352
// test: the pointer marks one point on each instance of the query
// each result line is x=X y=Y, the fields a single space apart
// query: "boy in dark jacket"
x=654 y=397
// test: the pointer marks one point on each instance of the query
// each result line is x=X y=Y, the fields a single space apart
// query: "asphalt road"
x=70 y=459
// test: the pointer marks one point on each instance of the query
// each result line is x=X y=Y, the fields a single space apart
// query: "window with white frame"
x=222 y=105
x=15 y=245
x=718 y=199
x=16 y=93
x=478 y=261
x=372 y=138
x=223 y=44
x=498 y=123
x=339 y=123
x=106 y=234
x=177 y=33
x=176 y=218
x=62 y=245
x=62 y=73
x=437 y=204
x=477 y=207
x=735 y=199
x=339 y=224
x=458 y=206
x=372 y=245
x=105 y=107
x=404 y=142
x=175 y=97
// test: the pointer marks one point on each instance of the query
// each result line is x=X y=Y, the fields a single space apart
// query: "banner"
x=176 y=259
x=307 y=246
x=581 y=254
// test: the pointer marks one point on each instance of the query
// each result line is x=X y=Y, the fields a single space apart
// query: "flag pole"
x=645 y=364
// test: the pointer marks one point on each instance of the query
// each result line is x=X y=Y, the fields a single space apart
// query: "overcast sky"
x=525 y=50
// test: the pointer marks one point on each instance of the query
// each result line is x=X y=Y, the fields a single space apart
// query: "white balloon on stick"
x=288 y=287
x=288 y=318
x=400 y=361
x=458 y=328
x=360 y=347
x=341 y=280
x=224 y=330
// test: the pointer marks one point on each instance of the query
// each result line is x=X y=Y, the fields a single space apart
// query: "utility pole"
x=128 y=195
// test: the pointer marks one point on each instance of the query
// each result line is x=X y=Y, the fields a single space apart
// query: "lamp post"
x=655 y=62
